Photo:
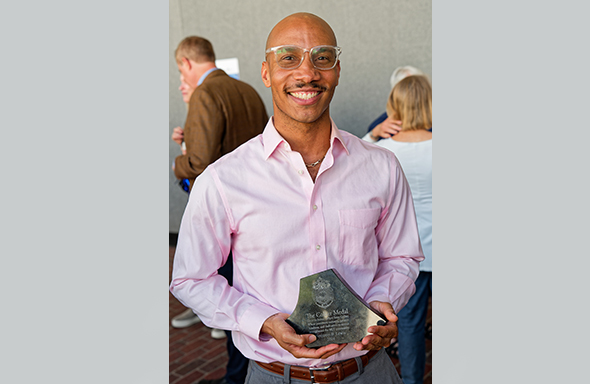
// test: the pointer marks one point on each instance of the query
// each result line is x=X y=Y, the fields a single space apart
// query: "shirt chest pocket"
x=357 y=242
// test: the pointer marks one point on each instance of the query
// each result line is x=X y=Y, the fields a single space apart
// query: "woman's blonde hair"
x=411 y=102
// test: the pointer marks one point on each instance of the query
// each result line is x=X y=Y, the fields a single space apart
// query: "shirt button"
x=300 y=172
x=317 y=247
x=315 y=207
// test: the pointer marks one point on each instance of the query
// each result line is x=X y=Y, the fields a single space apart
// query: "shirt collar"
x=205 y=75
x=272 y=139
x=335 y=134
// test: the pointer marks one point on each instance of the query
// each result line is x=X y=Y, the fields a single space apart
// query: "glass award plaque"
x=328 y=308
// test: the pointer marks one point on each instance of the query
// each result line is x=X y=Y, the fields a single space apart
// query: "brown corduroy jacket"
x=223 y=113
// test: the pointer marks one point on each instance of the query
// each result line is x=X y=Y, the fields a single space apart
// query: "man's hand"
x=285 y=335
x=381 y=334
x=178 y=135
x=387 y=128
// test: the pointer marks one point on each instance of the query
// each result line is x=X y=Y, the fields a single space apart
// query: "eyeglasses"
x=323 y=57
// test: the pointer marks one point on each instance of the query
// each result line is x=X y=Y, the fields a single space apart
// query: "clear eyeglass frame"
x=310 y=50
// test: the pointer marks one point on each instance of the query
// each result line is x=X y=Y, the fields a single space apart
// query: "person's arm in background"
x=383 y=130
x=178 y=137
x=203 y=132
x=377 y=121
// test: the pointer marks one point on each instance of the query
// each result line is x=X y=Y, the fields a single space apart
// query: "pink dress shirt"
x=260 y=203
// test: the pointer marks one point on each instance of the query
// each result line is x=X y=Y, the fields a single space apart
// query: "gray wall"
x=375 y=37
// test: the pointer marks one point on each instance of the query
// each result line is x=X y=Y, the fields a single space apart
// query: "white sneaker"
x=185 y=319
x=218 y=333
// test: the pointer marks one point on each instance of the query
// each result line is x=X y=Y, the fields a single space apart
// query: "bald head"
x=296 y=24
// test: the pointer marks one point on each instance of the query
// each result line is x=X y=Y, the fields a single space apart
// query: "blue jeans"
x=412 y=337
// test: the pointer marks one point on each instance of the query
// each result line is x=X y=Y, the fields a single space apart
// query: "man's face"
x=302 y=94
x=185 y=89
x=188 y=72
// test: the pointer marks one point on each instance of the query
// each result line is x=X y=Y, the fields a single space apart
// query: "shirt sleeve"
x=368 y=138
x=399 y=248
x=203 y=133
x=204 y=244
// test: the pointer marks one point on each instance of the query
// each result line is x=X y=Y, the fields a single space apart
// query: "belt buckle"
x=324 y=367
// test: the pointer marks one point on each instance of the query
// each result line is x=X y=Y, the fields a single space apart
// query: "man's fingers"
x=295 y=344
x=372 y=342
x=312 y=353
x=332 y=351
x=380 y=335
x=299 y=340
x=384 y=308
x=365 y=345
x=383 y=331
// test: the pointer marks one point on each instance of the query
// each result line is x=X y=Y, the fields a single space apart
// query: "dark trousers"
x=237 y=365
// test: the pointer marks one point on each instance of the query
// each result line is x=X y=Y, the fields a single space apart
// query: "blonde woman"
x=389 y=126
x=411 y=102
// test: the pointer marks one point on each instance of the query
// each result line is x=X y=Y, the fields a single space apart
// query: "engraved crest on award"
x=322 y=293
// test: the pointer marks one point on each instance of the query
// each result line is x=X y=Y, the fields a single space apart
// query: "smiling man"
x=302 y=89
x=298 y=199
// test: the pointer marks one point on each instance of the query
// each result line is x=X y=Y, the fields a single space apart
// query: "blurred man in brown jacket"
x=223 y=112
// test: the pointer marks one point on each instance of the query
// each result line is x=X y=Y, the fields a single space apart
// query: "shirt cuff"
x=398 y=298
x=252 y=320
